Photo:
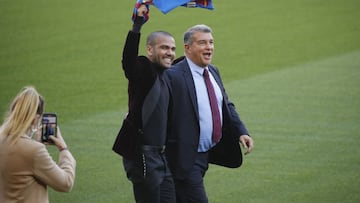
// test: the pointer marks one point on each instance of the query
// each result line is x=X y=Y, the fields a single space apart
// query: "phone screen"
x=49 y=126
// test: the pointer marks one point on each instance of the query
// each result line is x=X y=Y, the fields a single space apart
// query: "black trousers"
x=191 y=189
x=151 y=178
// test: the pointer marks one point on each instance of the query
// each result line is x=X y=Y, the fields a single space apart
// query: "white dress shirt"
x=205 y=116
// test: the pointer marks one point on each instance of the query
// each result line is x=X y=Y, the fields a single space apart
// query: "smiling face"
x=200 y=49
x=161 y=50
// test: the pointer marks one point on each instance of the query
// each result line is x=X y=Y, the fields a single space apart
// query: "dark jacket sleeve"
x=130 y=53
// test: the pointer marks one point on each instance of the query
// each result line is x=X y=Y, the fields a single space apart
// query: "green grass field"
x=291 y=67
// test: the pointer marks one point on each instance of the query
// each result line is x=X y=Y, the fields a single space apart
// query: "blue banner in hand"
x=200 y=3
x=166 y=6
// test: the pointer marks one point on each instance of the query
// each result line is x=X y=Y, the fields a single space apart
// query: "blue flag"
x=200 y=3
x=166 y=6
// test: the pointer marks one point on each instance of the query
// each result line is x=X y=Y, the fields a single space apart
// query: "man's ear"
x=186 y=48
x=149 y=50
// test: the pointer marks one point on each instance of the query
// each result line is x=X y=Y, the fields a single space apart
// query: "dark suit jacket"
x=183 y=138
x=142 y=75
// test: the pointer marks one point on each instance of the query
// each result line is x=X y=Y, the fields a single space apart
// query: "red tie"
x=216 y=135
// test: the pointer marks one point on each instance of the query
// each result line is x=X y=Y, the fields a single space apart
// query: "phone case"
x=49 y=126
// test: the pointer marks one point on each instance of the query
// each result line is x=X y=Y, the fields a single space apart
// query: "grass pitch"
x=291 y=68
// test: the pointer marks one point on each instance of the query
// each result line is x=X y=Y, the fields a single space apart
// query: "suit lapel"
x=150 y=101
x=219 y=82
x=187 y=76
x=216 y=77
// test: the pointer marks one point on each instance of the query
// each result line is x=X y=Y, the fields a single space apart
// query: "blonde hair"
x=23 y=110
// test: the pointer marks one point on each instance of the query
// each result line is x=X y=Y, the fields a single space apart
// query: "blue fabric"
x=200 y=3
x=166 y=6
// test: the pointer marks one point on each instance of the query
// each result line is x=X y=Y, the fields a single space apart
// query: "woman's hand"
x=58 y=140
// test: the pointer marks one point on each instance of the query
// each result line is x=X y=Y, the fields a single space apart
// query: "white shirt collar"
x=195 y=68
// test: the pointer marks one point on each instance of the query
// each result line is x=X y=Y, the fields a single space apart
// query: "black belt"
x=150 y=148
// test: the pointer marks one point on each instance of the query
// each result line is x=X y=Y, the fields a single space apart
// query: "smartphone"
x=49 y=126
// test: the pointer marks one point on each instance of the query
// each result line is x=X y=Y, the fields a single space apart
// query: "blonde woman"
x=26 y=167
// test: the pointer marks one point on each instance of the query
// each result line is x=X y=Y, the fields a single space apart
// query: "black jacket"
x=143 y=76
x=183 y=138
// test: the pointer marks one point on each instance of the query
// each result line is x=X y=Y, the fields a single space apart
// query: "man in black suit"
x=142 y=137
x=190 y=146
